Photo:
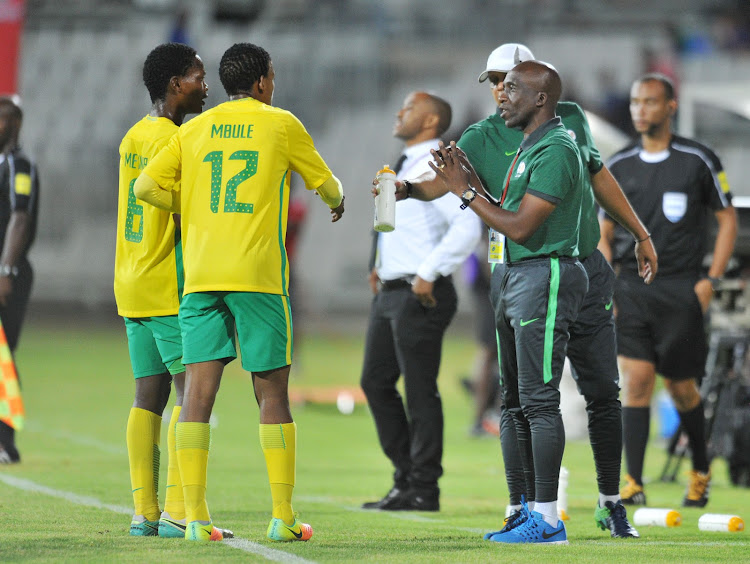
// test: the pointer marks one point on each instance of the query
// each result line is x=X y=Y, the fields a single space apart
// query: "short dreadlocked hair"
x=164 y=62
x=241 y=66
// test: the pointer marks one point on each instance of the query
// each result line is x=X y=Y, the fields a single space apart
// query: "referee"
x=673 y=183
x=19 y=200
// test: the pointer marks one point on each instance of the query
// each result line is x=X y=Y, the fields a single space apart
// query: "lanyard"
x=507 y=180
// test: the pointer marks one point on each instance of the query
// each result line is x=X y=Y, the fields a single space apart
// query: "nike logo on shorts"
x=523 y=323
x=608 y=306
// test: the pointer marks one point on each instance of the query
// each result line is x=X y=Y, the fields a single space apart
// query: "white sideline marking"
x=238 y=543
x=76 y=438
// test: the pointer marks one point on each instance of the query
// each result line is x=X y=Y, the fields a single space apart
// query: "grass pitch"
x=70 y=498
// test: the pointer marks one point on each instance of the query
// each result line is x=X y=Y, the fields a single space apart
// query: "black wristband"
x=409 y=188
x=646 y=238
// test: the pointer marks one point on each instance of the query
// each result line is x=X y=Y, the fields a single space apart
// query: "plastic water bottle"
x=717 y=522
x=385 y=201
x=657 y=517
x=562 y=495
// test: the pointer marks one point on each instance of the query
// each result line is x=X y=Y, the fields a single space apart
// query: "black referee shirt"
x=19 y=190
x=674 y=193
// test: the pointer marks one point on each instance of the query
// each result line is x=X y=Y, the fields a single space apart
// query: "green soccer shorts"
x=263 y=324
x=155 y=345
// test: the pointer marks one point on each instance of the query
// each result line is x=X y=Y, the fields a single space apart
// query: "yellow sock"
x=192 y=443
x=143 y=435
x=279 y=444
x=174 y=500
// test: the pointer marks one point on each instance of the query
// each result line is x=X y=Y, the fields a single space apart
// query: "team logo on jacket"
x=572 y=134
x=520 y=169
x=674 y=205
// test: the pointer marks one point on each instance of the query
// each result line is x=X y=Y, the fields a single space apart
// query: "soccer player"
x=148 y=287
x=235 y=161
x=675 y=185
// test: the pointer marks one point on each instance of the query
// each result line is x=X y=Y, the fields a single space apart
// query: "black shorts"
x=662 y=323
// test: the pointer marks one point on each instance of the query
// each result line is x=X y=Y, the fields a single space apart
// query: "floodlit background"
x=343 y=67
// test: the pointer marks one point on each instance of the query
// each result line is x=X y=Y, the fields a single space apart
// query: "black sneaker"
x=614 y=517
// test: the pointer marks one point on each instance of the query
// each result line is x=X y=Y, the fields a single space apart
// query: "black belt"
x=405 y=282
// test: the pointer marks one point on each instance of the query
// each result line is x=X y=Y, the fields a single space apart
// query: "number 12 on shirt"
x=231 y=205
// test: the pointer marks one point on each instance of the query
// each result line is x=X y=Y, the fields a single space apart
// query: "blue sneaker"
x=535 y=530
x=515 y=519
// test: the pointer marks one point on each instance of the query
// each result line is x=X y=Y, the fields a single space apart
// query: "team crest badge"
x=521 y=168
x=674 y=205
x=572 y=134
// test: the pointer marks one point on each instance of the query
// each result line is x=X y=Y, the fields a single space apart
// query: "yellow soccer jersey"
x=235 y=161
x=148 y=254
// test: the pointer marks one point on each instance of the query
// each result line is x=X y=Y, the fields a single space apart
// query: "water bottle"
x=385 y=201
x=657 y=517
x=562 y=495
x=717 y=522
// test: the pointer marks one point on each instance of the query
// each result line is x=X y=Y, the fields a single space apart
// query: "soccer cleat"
x=614 y=517
x=632 y=493
x=141 y=527
x=515 y=519
x=205 y=532
x=171 y=528
x=697 y=490
x=281 y=532
x=535 y=530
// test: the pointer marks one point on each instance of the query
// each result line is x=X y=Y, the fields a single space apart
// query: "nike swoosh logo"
x=510 y=154
x=553 y=533
x=297 y=535
x=175 y=524
x=608 y=306
x=525 y=323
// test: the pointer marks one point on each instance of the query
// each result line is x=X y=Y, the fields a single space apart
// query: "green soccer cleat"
x=171 y=528
x=141 y=527
x=281 y=532
x=206 y=532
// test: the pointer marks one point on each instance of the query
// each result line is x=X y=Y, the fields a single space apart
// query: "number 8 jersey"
x=235 y=162
x=148 y=254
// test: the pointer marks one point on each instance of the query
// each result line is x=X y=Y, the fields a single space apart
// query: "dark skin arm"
x=16 y=238
x=518 y=226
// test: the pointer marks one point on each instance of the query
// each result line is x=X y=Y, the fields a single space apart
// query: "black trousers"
x=404 y=337
x=12 y=316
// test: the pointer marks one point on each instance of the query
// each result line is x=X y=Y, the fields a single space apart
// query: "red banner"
x=11 y=24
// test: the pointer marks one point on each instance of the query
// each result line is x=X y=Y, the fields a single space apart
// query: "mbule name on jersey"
x=232 y=130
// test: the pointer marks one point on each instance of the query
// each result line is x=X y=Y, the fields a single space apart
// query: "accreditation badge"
x=496 y=248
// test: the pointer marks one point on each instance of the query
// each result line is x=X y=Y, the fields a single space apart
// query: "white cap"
x=505 y=57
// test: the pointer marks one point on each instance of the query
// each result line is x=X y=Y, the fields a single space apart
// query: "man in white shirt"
x=414 y=302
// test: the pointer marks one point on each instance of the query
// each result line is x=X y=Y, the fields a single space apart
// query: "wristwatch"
x=409 y=187
x=715 y=283
x=467 y=197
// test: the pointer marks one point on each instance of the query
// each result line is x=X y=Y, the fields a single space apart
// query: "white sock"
x=548 y=509
x=603 y=499
x=531 y=505
x=510 y=509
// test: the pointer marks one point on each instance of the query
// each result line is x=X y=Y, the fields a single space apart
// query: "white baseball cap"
x=505 y=57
